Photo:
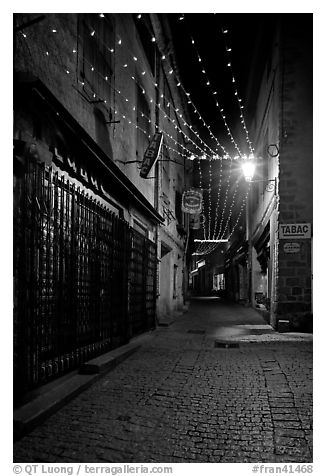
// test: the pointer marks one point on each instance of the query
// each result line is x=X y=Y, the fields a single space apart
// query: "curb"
x=31 y=414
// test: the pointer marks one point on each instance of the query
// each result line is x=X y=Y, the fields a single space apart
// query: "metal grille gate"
x=73 y=259
x=143 y=283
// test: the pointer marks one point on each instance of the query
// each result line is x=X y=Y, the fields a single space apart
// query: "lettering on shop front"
x=294 y=230
x=70 y=164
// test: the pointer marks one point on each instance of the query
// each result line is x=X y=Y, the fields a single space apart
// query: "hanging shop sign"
x=192 y=201
x=151 y=154
x=294 y=230
x=291 y=248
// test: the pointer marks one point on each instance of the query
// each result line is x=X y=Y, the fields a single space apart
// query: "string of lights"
x=202 y=157
x=218 y=197
x=130 y=122
x=221 y=236
x=105 y=101
x=236 y=93
x=107 y=78
x=179 y=84
x=171 y=71
x=134 y=59
x=208 y=247
x=225 y=199
x=209 y=197
x=213 y=92
x=201 y=250
x=203 y=205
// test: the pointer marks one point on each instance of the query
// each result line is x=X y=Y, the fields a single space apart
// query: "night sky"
x=242 y=37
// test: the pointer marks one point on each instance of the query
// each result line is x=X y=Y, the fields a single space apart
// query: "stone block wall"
x=296 y=168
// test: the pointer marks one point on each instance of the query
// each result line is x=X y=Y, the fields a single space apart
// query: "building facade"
x=279 y=209
x=96 y=239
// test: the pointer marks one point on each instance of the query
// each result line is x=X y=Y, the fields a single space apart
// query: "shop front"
x=84 y=278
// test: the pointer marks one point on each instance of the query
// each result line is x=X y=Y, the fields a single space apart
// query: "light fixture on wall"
x=248 y=168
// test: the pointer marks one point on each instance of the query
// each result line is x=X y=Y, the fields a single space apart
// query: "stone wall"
x=296 y=166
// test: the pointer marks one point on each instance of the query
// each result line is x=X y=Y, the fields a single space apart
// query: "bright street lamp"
x=248 y=168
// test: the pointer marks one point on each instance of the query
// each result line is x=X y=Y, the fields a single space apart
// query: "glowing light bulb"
x=139 y=16
x=102 y=15
x=54 y=30
x=93 y=33
x=153 y=39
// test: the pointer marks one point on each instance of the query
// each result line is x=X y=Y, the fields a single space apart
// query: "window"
x=96 y=65
x=101 y=132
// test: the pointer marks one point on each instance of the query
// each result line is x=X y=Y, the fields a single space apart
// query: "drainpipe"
x=157 y=182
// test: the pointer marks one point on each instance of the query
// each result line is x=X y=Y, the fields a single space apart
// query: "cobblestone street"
x=183 y=398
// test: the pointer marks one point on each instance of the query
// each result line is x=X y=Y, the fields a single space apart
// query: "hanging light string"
x=112 y=50
x=210 y=177
x=151 y=100
x=209 y=197
x=225 y=199
x=107 y=79
x=221 y=236
x=134 y=59
x=202 y=250
x=95 y=95
x=218 y=198
x=189 y=101
x=212 y=91
x=216 y=102
x=228 y=50
x=130 y=122
x=203 y=205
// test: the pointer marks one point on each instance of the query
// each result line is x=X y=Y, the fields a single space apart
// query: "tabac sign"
x=192 y=201
x=151 y=154
x=294 y=230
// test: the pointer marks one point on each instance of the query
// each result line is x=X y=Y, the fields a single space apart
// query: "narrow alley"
x=217 y=385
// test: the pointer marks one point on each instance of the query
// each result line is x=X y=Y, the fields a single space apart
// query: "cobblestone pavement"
x=182 y=399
